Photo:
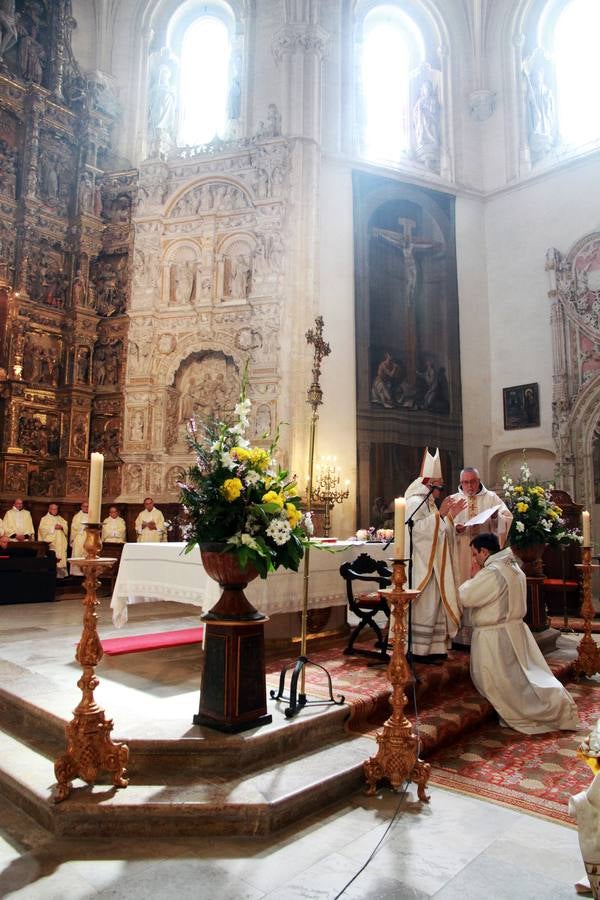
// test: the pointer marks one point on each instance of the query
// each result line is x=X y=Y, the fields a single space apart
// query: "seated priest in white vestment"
x=78 y=523
x=18 y=524
x=114 y=529
x=507 y=665
x=435 y=612
x=54 y=530
x=150 y=524
x=478 y=500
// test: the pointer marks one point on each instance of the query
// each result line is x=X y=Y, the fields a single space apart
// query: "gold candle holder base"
x=396 y=759
x=588 y=651
x=90 y=748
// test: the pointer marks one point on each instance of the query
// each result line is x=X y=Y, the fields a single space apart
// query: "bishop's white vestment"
x=507 y=665
x=18 y=521
x=56 y=539
x=460 y=544
x=435 y=612
x=78 y=523
x=114 y=530
x=151 y=535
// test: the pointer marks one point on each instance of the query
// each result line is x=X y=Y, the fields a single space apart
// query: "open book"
x=483 y=517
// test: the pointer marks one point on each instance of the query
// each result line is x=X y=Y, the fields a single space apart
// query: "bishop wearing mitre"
x=114 y=529
x=18 y=524
x=150 y=524
x=78 y=523
x=53 y=529
x=435 y=612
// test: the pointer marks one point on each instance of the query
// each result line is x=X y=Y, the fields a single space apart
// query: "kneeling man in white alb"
x=507 y=666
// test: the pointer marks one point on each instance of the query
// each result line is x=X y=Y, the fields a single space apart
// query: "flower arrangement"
x=238 y=495
x=375 y=535
x=537 y=519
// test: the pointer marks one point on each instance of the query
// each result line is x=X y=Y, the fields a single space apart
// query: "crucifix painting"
x=407 y=338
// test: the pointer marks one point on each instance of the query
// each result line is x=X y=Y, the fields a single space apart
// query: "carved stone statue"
x=86 y=193
x=161 y=102
x=426 y=119
x=79 y=290
x=49 y=173
x=31 y=56
x=8 y=26
x=235 y=99
x=274 y=121
x=541 y=116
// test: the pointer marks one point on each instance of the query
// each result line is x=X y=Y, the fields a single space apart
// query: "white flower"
x=546 y=525
x=248 y=541
x=279 y=531
x=251 y=477
x=227 y=460
x=520 y=526
x=242 y=409
x=362 y=534
x=252 y=525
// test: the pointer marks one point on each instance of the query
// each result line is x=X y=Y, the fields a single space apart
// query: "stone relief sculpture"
x=32 y=55
x=137 y=427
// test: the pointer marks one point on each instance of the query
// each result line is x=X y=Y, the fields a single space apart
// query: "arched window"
x=390 y=48
x=204 y=80
x=575 y=46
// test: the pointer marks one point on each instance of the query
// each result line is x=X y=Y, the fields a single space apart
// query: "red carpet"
x=533 y=773
x=156 y=641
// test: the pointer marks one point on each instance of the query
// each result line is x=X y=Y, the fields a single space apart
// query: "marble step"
x=253 y=804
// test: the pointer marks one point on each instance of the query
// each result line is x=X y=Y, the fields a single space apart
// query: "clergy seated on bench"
x=27 y=572
x=366 y=605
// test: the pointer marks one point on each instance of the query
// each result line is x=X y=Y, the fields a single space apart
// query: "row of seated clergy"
x=53 y=529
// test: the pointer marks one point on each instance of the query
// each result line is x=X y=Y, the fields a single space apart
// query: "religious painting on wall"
x=407 y=337
x=521 y=406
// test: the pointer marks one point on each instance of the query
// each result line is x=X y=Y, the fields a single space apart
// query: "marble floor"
x=455 y=847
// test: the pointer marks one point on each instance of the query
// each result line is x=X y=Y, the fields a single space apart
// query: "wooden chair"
x=366 y=605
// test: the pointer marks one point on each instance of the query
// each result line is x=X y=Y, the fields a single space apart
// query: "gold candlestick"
x=89 y=745
x=396 y=759
x=328 y=490
x=588 y=651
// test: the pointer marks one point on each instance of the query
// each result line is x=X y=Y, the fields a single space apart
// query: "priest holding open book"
x=484 y=511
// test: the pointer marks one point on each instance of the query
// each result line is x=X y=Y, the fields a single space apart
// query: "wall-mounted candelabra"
x=328 y=489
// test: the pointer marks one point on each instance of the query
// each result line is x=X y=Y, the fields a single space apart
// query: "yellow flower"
x=240 y=453
x=231 y=489
x=293 y=514
x=259 y=458
x=522 y=507
x=553 y=514
x=273 y=497
x=518 y=489
x=290 y=489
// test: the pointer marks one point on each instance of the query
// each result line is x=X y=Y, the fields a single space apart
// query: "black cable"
x=402 y=793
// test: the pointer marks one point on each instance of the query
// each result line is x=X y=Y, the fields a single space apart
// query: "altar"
x=166 y=572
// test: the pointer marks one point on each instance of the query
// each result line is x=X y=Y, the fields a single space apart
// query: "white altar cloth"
x=165 y=572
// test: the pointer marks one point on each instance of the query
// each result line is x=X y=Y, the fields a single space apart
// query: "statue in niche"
x=426 y=119
x=112 y=364
x=161 y=107
x=540 y=111
x=79 y=290
x=120 y=210
x=238 y=275
x=83 y=365
x=183 y=282
x=260 y=263
x=86 y=193
x=49 y=173
x=263 y=421
x=234 y=102
x=274 y=121
x=79 y=440
x=134 y=479
x=32 y=55
x=276 y=251
x=187 y=401
x=136 y=430
x=100 y=367
x=8 y=26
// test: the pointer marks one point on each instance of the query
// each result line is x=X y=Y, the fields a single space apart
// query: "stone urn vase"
x=233 y=693
x=531 y=559
x=225 y=568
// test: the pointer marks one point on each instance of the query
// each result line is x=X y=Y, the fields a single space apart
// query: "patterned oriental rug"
x=533 y=773
x=575 y=623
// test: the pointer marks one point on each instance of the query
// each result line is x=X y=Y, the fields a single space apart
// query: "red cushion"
x=368 y=599
x=558 y=583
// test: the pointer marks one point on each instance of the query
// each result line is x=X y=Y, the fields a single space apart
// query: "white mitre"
x=431 y=470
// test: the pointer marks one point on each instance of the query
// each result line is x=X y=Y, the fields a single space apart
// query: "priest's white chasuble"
x=151 y=535
x=18 y=521
x=114 y=530
x=55 y=531
x=78 y=523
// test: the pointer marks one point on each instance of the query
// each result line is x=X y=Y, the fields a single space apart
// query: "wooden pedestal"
x=233 y=695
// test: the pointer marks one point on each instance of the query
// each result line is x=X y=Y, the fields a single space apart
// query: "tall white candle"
x=95 y=495
x=586 y=528
x=399 y=518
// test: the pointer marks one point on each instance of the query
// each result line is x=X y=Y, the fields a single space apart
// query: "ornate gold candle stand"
x=396 y=758
x=89 y=745
x=588 y=651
